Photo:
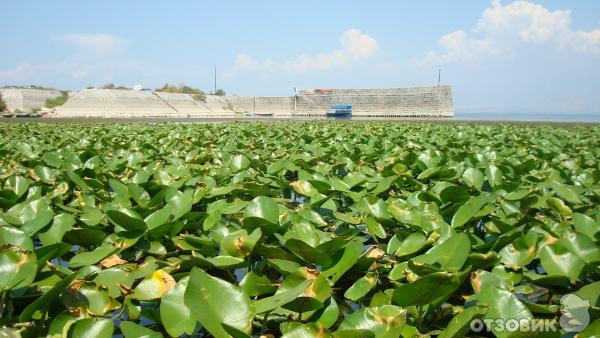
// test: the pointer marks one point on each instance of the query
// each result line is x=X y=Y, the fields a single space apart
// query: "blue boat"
x=340 y=111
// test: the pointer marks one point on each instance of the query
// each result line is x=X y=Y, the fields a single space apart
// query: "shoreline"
x=94 y=120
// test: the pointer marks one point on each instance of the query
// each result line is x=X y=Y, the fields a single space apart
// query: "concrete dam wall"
x=26 y=100
x=415 y=101
x=392 y=102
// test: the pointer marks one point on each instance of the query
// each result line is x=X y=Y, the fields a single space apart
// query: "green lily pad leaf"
x=270 y=303
x=212 y=219
x=61 y=325
x=303 y=187
x=18 y=267
x=375 y=228
x=98 y=301
x=474 y=178
x=214 y=302
x=503 y=305
x=133 y=330
x=305 y=330
x=543 y=309
x=351 y=253
x=125 y=221
x=46 y=299
x=239 y=243
x=17 y=184
x=480 y=261
x=223 y=261
x=430 y=288
x=355 y=333
x=176 y=317
x=454 y=193
x=307 y=252
x=233 y=207
x=580 y=245
x=112 y=277
x=304 y=304
x=459 y=326
x=91 y=216
x=93 y=327
x=385 y=321
x=239 y=162
x=84 y=236
x=16 y=237
x=361 y=287
x=257 y=285
x=585 y=225
x=354 y=178
x=139 y=194
x=33 y=226
x=180 y=203
x=92 y=257
x=520 y=252
x=158 y=218
x=592 y=331
x=284 y=266
x=27 y=211
x=347 y=218
x=262 y=211
x=566 y=192
x=313 y=297
x=557 y=260
x=494 y=175
x=60 y=225
x=590 y=292
x=468 y=210
x=328 y=315
x=411 y=244
x=376 y=207
x=450 y=255
x=154 y=286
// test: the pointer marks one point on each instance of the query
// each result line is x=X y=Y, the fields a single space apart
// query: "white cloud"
x=501 y=27
x=458 y=46
x=95 y=58
x=356 y=46
x=95 y=43
x=529 y=21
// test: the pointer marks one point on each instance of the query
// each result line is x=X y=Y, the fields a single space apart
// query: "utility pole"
x=438 y=92
x=215 y=66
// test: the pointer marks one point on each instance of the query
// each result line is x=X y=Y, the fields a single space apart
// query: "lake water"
x=542 y=117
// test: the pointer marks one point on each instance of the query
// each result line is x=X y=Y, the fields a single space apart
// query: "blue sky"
x=499 y=56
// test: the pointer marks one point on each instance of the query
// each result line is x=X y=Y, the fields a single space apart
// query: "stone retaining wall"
x=415 y=101
x=393 y=102
x=25 y=100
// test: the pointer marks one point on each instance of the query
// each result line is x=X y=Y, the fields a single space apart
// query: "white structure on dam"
x=434 y=101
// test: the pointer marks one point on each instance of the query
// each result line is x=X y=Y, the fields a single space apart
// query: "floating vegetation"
x=313 y=229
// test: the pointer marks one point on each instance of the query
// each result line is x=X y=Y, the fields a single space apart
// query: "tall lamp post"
x=215 y=67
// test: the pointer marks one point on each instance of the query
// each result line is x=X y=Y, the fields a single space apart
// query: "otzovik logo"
x=575 y=316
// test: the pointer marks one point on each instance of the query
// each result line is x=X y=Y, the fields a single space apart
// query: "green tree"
x=220 y=92
x=2 y=104
x=196 y=93
x=57 y=101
